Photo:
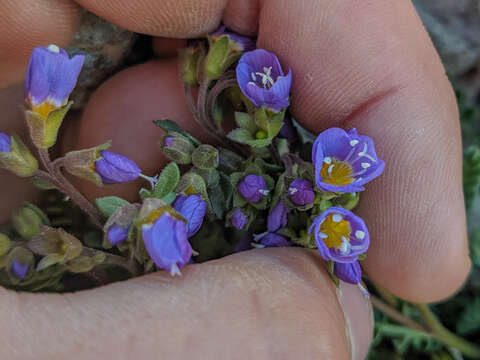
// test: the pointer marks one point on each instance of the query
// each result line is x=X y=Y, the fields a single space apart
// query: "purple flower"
x=244 y=43
x=5 y=142
x=253 y=188
x=239 y=219
x=18 y=270
x=193 y=209
x=301 y=192
x=340 y=235
x=344 y=161
x=167 y=243
x=288 y=131
x=275 y=240
x=117 y=234
x=168 y=141
x=114 y=168
x=277 y=217
x=51 y=77
x=262 y=80
x=350 y=272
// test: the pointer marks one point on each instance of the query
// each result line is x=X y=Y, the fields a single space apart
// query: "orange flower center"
x=44 y=109
x=335 y=230
x=336 y=172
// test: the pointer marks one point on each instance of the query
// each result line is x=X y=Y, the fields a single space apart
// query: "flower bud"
x=15 y=156
x=4 y=244
x=278 y=217
x=81 y=163
x=253 y=188
x=51 y=77
x=27 y=222
x=56 y=241
x=114 y=168
x=20 y=264
x=118 y=225
x=275 y=240
x=117 y=234
x=205 y=157
x=301 y=192
x=350 y=272
x=193 y=209
x=239 y=219
x=178 y=148
x=189 y=59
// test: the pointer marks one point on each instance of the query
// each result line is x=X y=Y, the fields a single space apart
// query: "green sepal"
x=24 y=257
x=56 y=241
x=109 y=204
x=44 y=132
x=19 y=159
x=81 y=163
x=171 y=126
x=5 y=244
x=347 y=201
x=167 y=181
x=28 y=219
x=362 y=257
x=205 y=157
x=223 y=52
x=189 y=59
x=245 y=121
x=85 y=263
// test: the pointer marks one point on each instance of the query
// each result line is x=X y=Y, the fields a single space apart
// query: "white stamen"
x=258 y=237
x=53 y=48
x=364 y=153
x=195 y=253
x=323 y=235
x=174 y=270
x=366 y=165
x=257 y=246
x=353 y=143
x=327 y=160
x=151 y=179
x=337 y=218
x=254 y=78
x=344 y=248
x=266 y=77
x=357 y=180
x=251 y=83
x=365 y=292
x=360 y=234
x=264 y=192
x=330 y=169
x=292 y=191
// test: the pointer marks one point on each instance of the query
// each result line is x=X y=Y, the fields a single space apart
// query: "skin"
x=368 y=65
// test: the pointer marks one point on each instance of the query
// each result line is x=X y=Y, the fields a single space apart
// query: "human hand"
x=368 y=65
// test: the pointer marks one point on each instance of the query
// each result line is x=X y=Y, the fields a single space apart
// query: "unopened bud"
x=178 y=148
x=205 y=157
x=27 y=222
x=16 y=157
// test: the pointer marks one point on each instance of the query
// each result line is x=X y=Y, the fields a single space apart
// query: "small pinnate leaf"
x=108 y=204
x=167 y=181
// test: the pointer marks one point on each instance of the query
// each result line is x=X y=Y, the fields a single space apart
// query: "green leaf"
x=245 y=121
x=171 y=126
x=108 y=204
x=169 y=198
x=167 y=181
x=469 y=321
x=239 y=135
x=144 y=193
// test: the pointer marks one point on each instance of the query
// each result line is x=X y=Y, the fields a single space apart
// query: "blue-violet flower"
x=344 y=160
x=253 y=188
x=301 y=192
x=340 y=235
x=239 y=219
x=51 y=77
x=117 y=234
x=262 y=80
x=167 y=243
x=277 y=218
x=114 y=168
x=275 y=240
x=19 y=270
x=5 y=142
x=193 y=209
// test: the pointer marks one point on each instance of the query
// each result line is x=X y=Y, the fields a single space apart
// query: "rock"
x=106 y=47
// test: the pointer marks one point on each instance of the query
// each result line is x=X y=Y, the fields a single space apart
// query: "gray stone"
x=106 y=47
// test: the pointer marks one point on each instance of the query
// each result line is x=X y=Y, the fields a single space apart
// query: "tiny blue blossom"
x=244 y=43
x=51 y=77
x=262 y=80
x=275 y=240
x=301 y=192
x=193 y=209
x=253 y=188
x=114 y=168
x=239 y=219
x=340 y=235
x=167 y=243
x=344 y=161
x=278 y=217
x=19 y=270
x=5 y=142
x=117 y=234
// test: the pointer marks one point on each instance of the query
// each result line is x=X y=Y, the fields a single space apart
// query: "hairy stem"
x=396 y=315
x=446 y=336
x=68 y=189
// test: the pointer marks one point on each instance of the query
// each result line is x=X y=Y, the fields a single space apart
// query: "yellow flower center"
x=335 y=230
x=44 y=109
x=336 y=172
x=155 y=214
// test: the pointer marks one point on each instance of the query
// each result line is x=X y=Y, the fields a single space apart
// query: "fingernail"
x=358 y=314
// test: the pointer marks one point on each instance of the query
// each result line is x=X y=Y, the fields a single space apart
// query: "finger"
x=123 y=109
x=371 y=65
x=13 y=190
x=272 y=303
x=25 y=24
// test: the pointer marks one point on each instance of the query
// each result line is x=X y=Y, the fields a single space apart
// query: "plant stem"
x=113 y=259
x=446 y=336
x=68 y=189
x=396 y=315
